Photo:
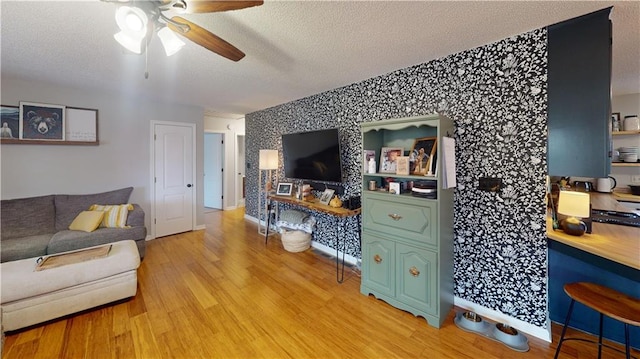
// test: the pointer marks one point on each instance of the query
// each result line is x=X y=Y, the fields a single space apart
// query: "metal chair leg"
x=600 y=338
x=564 y=329
x=626 y=341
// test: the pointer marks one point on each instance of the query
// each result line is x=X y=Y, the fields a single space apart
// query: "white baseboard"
x=199 y=227
x=332 y=252
x=496 y=316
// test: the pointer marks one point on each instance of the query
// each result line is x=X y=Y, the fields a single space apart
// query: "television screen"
x=312 y=155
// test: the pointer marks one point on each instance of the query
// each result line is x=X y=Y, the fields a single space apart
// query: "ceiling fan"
x=139 y=19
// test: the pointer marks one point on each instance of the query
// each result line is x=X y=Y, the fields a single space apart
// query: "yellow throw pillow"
x=87 y=221
x=115 y=216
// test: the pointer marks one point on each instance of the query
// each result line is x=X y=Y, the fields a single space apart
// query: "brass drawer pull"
x=414 y=271
x=377 y=258
x=395 y=217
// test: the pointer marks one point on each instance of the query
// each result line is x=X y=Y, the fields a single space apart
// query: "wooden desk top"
x=317 y=206
x=615 y=242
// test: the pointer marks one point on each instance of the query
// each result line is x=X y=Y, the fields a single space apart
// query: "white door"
x=213 y=170
x=240 y=179
x=174 y=187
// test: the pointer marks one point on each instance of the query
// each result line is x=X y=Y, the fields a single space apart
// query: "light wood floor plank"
x=223 y=293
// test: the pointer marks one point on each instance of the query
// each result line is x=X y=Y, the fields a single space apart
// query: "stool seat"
x=607 y=301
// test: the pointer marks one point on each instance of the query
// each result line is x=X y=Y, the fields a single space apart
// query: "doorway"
x=173 y=178
x=213 y=170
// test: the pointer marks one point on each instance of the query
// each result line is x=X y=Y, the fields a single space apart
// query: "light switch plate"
x=635 y=179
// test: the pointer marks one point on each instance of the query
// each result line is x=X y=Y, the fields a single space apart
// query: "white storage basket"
x=295 y=241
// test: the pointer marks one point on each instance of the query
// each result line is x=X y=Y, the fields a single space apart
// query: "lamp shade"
x=574 y=204
x=268 y=160
x=170 y=41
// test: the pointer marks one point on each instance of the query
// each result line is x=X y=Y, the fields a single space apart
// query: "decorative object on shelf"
x=422 y=155
x=369 y=161
x=628 y=154
x=335 y=202
x=574 y=205
x=284 y=189
x=388 y=159
x=394 y=187
x=503 y=333
x=631 y=123
x=326 y=196
x=402 y=166
x=615 y=122
x=41 y=121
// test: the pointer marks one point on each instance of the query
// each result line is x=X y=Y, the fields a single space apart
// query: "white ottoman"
x=29 y=297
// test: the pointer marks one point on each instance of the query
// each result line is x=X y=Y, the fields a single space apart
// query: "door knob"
x=189 y=185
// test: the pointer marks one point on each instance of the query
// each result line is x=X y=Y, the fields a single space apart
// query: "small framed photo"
x=394 y=187
x=9 y=122
x=326 y=196
x=388 y=159
x=423 y=155
x=616 y=125
x=402 y=166
x=41 y=121
x=284 y=189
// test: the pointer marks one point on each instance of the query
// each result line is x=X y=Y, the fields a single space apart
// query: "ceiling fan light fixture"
x=132 y=19
x=170 y=41
x=131 y=43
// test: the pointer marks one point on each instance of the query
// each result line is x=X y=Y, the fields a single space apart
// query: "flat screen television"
x=313 y=155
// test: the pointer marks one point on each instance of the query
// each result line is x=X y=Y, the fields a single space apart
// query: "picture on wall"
x=422 y=155
x=388 y=159
x=9 y=122
x=41 y=121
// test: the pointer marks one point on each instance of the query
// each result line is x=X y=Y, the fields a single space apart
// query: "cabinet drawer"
x=417 y=275
x=416 y=222
x=378 y=264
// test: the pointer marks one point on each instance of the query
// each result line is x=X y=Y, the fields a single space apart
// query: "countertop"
x=618 y=243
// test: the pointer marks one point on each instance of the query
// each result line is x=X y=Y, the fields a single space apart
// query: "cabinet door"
x=378 y=264
x=579 y=96
x=417 y=278
x=398 y=218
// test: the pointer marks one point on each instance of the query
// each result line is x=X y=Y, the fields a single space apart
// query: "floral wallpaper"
x=497 y=96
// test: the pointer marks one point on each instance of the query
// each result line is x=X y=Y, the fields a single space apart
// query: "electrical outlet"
x=635 y=179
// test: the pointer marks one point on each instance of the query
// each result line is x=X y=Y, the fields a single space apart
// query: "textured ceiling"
x=293 y=49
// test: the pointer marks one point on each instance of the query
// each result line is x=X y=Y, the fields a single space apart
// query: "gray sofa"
x=37 y=226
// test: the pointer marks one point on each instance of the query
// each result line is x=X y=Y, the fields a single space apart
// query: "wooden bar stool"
x=605 y=301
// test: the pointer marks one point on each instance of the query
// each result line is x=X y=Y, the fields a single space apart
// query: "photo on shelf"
x=326 y=196
x=284 y=189
x=402 y=166
x=388 y=159
x=422 y=155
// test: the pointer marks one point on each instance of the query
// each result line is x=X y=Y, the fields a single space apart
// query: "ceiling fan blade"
x=205 y=39
x=201 y=6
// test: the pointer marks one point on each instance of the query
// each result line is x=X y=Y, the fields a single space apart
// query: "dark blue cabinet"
x=579 y=96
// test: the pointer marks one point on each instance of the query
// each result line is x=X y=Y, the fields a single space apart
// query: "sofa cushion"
x=115 y=216
x=87 y=221
x=24 y=247
x=67 y=240
x=25 y=217
x=69 y=206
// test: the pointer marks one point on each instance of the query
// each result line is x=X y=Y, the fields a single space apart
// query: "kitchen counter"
x=617 y=243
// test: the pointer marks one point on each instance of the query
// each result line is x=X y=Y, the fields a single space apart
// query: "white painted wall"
x=231 y=127
x=122 y=159
x=625 y=105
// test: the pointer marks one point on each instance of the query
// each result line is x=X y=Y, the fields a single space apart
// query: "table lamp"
x=574 y=205
x=268 y=161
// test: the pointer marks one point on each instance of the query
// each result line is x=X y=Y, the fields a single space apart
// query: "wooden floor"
x=221 y=293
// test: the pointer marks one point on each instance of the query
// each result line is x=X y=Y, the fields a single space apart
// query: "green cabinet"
x=407 y=241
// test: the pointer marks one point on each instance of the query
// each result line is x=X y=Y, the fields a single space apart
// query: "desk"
x=315 y=205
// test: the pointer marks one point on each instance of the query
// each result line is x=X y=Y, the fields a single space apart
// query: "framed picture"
x=402 y=165
x=388 y=158
x=368 y=155
x=41 y=121
x=423 y=155
x=284 y=189
x=616 y=125
x=9 y=122
x=326 y=196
